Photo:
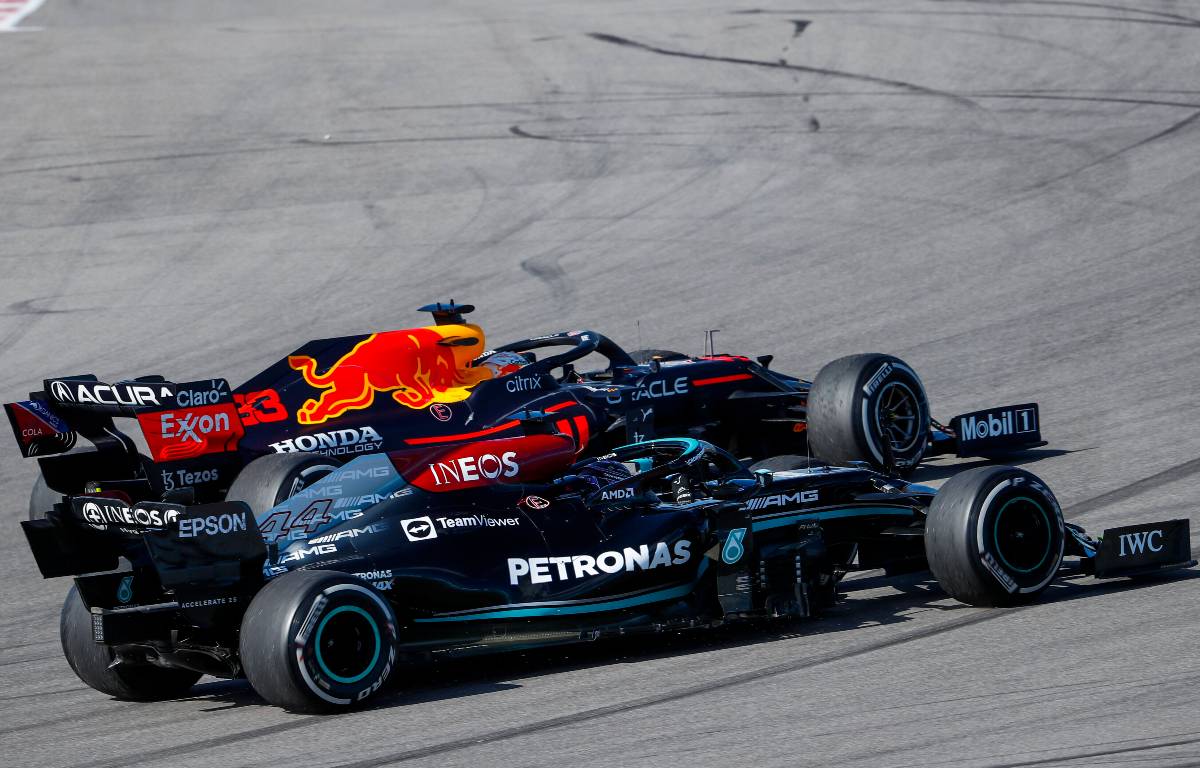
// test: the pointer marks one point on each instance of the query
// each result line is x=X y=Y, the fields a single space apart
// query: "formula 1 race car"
x=437 y=386
x=511 y=543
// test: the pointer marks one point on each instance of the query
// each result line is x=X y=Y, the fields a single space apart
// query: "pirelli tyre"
x=275 y=478
x=42 y=498
x=869 y=407
x=786 y=462
x=994 y=536
x=318 y=641
x=663 y=355
x=93 y=662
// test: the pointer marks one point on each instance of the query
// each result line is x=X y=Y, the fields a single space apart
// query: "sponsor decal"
x=125 y=590
x=184 y=434
x=209 y=602
x=418 y=367
x=99 y=513
x=535 y=502
x=184 y=478
x=350 y=533
x=783 y=500
x=1001 y=575
x=1009 y=422
x=441 y=411
x=478 y=521
x=653 y=390
x=99 y=394
x=418 y=528
x=1140 y=541
x=519 y=383
x=733 y=549
x=301 y=553
x=211 y=525
x=196 y=394
x=541 y=570
x=617 y=494
x=381 y=580
x=261 y=407
x=874 y=382
x=338 y=442
x=39 y=430
x=467 y=470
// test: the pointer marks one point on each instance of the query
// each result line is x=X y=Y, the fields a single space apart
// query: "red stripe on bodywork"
x=722 y=379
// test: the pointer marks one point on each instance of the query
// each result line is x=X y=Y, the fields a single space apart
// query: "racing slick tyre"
x=994 y=536
x=277 y=477
x=91 y=660
x=42 y=498
x=869 y=408
x=786 y=462
x=646 y=355
x=318 y=641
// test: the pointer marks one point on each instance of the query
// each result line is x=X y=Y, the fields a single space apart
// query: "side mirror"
x=763 y=477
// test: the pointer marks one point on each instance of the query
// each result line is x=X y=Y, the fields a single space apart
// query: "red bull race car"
x=439 y=389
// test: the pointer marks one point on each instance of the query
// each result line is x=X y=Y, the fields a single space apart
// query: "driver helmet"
x=503 y=363
x=604 y=472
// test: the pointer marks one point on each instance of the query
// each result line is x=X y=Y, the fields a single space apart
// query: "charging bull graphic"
x=419 y=366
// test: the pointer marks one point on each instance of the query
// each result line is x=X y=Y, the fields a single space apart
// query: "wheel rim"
x=343 y=637
x=1022 y=533
x=897 y=414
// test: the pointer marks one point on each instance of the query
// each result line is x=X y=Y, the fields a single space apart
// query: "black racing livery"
x=440 y=385
x=318 y=596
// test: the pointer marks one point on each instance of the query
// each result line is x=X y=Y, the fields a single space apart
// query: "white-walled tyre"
x=318 y=641
x=994 y=536
x=94 y=663
x=273 y=479
x=869 y=407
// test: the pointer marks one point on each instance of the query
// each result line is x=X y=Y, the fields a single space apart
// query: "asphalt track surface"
x=1002 y=193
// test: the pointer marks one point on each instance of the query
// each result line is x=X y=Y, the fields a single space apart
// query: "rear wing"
x=202 y=546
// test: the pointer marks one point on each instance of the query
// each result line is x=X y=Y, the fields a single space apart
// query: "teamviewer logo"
x=419 y=529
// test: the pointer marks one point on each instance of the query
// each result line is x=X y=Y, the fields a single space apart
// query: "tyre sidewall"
x=873 y=382
x=1007 y=492
x=302 y=606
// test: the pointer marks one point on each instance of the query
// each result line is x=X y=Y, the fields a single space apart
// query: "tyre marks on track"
x=782 y=65
x=13 y=11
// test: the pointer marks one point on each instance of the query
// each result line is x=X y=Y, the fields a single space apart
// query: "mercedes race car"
x=439 y=386
x=511 y=542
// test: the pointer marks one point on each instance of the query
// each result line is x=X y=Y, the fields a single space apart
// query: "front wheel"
x=994 y=536
x=869 y=408
x=315 y=641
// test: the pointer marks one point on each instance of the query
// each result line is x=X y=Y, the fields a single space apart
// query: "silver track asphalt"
x=1005 y=194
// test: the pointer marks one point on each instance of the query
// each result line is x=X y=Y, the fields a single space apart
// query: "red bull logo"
x=418 y=366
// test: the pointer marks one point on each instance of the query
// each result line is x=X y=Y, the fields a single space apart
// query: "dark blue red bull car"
x=433 y=390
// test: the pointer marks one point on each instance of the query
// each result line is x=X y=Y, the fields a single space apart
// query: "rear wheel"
x=994 y=536
x=316 y=641
x=275 y=478
x=869 y=408
x=91 y=661
x=665 y=355
x=786 y=462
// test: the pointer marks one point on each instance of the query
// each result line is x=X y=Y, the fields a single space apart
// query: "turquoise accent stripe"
x=831 y=514
x=317 y=643
x=517 y=612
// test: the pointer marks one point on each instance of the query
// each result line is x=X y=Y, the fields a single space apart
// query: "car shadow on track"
x=870 y=600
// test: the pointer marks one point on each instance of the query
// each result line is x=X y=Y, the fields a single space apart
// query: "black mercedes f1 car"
x=511 y=542
x=438 y=386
